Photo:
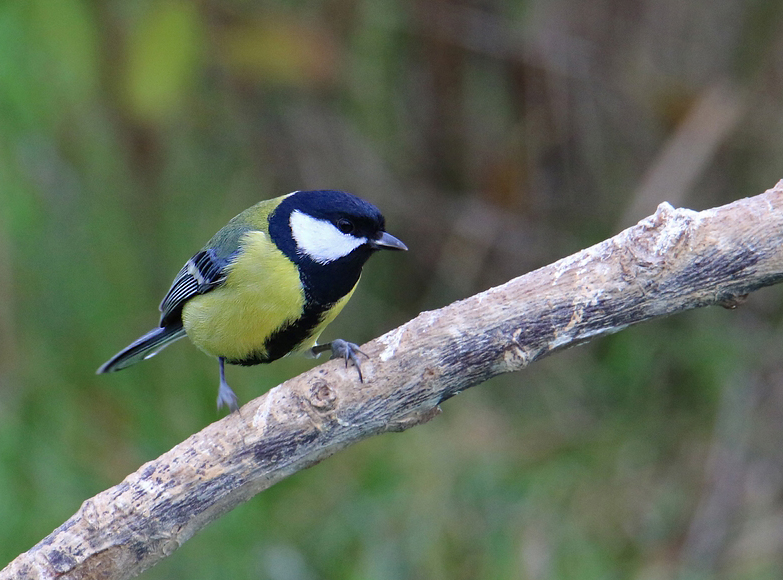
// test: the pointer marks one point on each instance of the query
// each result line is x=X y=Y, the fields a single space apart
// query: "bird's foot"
x=344 y=350
x=226 y=397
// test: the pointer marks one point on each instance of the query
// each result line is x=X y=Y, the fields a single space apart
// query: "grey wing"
x=203 y=272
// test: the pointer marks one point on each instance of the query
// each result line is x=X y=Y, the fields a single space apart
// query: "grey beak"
x=387 y=242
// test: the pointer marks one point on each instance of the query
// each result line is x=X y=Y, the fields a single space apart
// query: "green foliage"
x=497 y=138
x=162 y=60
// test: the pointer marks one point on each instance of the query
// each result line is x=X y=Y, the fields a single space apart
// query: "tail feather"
x=145 y=347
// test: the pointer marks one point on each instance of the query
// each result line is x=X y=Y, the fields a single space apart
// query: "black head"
x=329 y=235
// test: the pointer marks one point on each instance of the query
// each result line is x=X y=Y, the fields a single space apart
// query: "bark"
x=672 y=261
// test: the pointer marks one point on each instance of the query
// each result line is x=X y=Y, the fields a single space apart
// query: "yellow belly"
x=262 y=293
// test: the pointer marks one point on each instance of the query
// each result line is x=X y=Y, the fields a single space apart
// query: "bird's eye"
x=345 y=225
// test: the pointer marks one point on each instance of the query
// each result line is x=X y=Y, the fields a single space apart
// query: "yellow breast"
x=262 y=292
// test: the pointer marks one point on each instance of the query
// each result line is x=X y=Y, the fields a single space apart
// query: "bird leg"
x=226 y=397
x=344 y=350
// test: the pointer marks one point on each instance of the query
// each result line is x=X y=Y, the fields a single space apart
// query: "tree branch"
x=672 y=261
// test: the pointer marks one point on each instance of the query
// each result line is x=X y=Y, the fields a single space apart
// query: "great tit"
x=268 y=283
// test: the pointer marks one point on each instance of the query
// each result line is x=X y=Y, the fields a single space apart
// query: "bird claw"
x=227 y=398
x=344 y=350
x=348 y=351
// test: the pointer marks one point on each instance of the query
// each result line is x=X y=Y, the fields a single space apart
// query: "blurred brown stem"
x=690 y=149
x=672 y=261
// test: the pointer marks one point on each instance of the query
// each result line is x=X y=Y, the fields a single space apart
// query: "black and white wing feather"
x=203 y=272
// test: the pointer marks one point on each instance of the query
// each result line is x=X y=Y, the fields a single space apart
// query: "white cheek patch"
x=320 y=240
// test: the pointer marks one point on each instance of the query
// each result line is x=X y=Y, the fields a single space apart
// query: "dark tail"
x=145 y=347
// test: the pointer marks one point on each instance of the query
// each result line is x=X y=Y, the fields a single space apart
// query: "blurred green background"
x=496 y=136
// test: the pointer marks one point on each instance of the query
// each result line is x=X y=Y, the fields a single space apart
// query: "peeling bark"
x=672 y=261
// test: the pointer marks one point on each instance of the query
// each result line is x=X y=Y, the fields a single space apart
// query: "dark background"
x=496 y=137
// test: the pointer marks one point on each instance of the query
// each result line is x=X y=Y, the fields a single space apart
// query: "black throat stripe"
x=287 y=338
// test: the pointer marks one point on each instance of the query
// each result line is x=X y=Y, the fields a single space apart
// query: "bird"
x=268 y=283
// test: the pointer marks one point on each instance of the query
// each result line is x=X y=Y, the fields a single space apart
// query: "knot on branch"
x=666 y=232
x=412 y=419
x=321 y=396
